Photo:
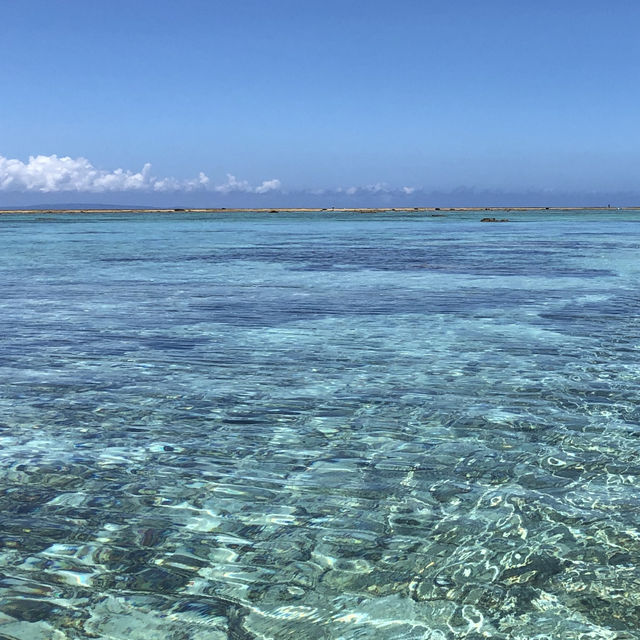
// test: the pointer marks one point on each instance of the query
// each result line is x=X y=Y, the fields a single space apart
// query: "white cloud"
x=268 y=185
x=52 y=173
x=378 y=187
x=233 y=185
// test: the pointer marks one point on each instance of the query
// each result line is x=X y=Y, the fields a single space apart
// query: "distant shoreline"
x=313 y=210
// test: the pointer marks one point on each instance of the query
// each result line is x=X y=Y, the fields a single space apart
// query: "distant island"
x=303 y=209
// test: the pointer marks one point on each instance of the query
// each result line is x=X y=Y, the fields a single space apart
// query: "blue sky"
x=259 y=99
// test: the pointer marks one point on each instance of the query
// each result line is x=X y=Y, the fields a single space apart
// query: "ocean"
x=391 y=426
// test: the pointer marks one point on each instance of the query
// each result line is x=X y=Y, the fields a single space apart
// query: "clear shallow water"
x=320 y=427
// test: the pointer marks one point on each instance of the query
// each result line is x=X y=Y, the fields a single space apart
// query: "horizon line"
x=116 y=209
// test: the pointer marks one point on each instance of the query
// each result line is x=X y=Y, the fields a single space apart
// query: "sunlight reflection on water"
x=314 y=426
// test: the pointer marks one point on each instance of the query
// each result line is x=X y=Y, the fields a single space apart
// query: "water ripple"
x=386 y=427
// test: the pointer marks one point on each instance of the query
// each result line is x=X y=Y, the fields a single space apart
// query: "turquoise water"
x=320 y=426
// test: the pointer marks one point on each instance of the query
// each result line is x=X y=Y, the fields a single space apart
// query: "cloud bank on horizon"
x=50 y=174
x=60 y=174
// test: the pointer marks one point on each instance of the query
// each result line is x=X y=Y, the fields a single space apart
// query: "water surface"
x=320 y=426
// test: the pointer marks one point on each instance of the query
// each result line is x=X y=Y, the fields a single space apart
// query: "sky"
x=319 y=102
